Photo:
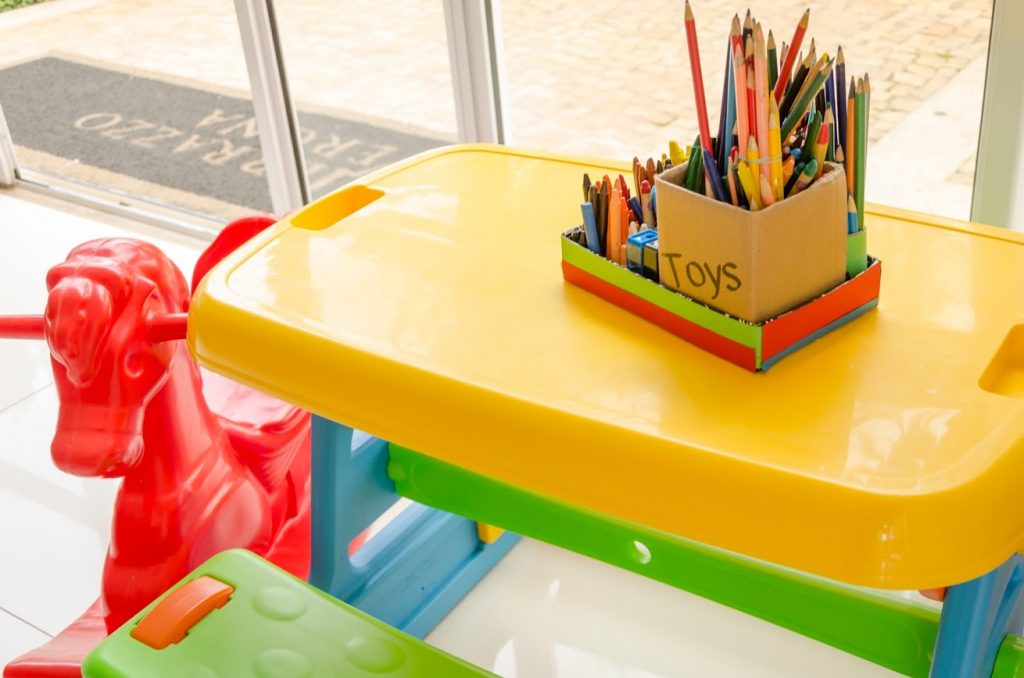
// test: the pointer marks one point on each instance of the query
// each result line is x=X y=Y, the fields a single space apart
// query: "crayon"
x=676 y=154
x=586 y=186
x=645 y=202
x=590 y=228
x=614 y=234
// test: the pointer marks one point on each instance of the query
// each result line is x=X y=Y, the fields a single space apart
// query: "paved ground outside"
x=603 y=78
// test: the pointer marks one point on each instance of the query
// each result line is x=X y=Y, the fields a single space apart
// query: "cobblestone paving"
x=606 y=81
x=605 y=78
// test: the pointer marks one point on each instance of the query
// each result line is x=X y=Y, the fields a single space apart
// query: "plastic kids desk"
x=426 y=306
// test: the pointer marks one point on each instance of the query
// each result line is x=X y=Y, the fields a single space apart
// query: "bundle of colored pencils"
x=782 y=118
x=611 y=214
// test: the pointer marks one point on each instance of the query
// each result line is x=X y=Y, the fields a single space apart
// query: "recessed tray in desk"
x=426 y=305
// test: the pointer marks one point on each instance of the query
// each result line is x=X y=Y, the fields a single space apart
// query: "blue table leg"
x=417 y=568
x=976 y=616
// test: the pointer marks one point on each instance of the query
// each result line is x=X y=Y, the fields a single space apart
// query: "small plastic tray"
x=752 y=346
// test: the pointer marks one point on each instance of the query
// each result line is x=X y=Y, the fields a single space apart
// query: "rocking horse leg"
x=417 y=568
x=976 y=617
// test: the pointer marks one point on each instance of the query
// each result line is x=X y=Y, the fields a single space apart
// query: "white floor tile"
x=17 y=637
x=545 y=612
x=61 y=524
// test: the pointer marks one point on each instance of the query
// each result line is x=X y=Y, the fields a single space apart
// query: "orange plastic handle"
x=173 y=616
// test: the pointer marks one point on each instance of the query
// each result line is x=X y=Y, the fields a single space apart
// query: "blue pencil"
x=851 y=216
x=590 y=228
x=730 y=117
x=714 y=178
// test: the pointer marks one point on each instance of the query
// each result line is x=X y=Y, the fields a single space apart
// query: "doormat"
x=177 y=136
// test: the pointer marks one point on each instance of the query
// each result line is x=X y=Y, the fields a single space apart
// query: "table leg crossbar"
x=891 y=632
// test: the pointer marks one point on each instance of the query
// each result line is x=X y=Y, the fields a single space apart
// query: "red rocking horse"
x=208 y=464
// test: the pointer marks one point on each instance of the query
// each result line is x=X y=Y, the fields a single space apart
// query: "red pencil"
x=794 y=47
x=698 y=80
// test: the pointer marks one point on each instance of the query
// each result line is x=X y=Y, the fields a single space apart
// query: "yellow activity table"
x=425 y=305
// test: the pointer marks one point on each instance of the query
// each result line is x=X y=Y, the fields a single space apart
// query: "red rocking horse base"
x=208 y=464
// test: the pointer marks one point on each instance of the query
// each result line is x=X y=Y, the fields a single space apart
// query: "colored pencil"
x=820 y=148
x=748 y=52
x=722 y=144
x=830 y=124
x=698 y=79
x=714 y=179
x=733 y=196
x=773 y=62
x=794 y=88
x=748 y=26
x=806 y=177
x=787 y=170
x=782 y=57
x=740 y=85
x=806 y=86
x=775 y=149
x=747 y=182
x=754 y=191
x=794 y=45
x=867 y=104
x=861 y=148
x=851 y=215
x=813 y=129
x=840 y=107
x=801 y=104
x=791 y=182
x=851 y=136
x=761 y=94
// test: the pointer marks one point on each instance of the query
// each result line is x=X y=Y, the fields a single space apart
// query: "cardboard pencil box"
x=749 y=287
x=752 y=265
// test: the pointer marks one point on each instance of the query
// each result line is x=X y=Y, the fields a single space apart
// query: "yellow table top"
x=435 y=316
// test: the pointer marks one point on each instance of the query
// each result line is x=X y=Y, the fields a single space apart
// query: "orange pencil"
x=794 y=47
x=751 y=86
x=851 y=135
x=698 y=79
x=733 y=197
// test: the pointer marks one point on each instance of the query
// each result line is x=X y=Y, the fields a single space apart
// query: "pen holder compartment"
x=753 y=265
x=856 y=253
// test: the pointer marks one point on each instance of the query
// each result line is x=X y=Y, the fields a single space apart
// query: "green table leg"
x=894 y=633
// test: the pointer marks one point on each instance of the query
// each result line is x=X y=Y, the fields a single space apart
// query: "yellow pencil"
x=774 y=149
x=747 y=181
x=753 y=166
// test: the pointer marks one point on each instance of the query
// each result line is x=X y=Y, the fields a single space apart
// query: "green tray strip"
x=893 y=633
x=677 y=304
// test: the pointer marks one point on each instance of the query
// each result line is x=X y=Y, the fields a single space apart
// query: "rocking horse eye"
x=133 y=364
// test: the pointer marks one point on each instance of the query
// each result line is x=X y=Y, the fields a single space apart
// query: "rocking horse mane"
x=120 y=264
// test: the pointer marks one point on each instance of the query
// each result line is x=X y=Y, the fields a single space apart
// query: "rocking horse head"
x=103 y=324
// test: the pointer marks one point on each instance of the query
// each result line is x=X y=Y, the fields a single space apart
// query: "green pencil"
x=773 y=62
x=862 y=152
x=812 y=136
x=800 y=106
